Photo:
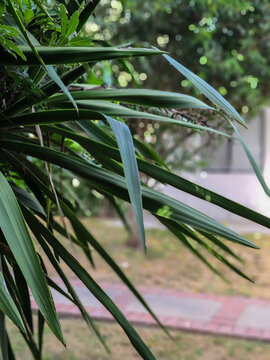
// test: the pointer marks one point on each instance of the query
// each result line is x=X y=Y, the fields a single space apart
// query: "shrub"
x=50 y=119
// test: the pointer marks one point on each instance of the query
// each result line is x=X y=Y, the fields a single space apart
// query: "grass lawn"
x=83 y=345
x=167 y=264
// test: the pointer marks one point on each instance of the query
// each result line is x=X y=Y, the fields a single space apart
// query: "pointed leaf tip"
x=206 y=89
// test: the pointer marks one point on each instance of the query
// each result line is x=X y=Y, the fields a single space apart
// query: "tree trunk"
x=106 y=210
x=134 y=240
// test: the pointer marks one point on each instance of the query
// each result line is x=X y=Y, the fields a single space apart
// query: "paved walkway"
x=242 y=226
x=202 y=313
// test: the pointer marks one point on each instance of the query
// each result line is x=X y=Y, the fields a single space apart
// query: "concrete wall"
x=241 y=187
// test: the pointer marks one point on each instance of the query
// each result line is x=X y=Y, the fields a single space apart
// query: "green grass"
x=83 y=345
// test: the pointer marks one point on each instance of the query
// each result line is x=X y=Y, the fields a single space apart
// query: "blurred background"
x=227 y=43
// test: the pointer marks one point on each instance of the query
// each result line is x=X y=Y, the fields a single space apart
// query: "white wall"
x=241 y=187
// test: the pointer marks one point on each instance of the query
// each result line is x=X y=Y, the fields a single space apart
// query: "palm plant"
x=43 y=60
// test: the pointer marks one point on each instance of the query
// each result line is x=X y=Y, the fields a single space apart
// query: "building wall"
x=242 y=187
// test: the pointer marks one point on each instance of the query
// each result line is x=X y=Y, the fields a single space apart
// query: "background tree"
x=224 y=42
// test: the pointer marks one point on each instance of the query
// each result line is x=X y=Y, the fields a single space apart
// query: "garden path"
x=204 y=313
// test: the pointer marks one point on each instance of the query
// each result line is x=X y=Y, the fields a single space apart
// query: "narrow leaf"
x=3 y=338
x=86 y=13
x=94 y=110
x=73 y=23
x=172 y=226
x=71 y=55
x=20 y=243
x=207 y=90
x=251 y=159
x=145 y=97
x=47 y=89
x=162 y=175
x=8 y=306
x=63 y=18
x=26 y=198
x=54 y=76
x=127 y=151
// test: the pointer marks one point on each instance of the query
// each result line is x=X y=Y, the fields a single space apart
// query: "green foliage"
x=56 y=123
x=224 y=42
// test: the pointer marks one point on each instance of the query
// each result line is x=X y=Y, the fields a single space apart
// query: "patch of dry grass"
x=169 y=264
x=83 y=345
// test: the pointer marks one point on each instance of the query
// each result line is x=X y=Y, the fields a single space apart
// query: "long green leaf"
x=173 y=227
x=49 y=69
x=127 y=151
x=54 y=76
x=187 y=243
x=86 y=13
x=41 y=324
x=103 y=253
x=72 y=55
x=3 y=338
x=28 y=199
x=145 y=97
x=251 y=159
x=23 y=295
x=190 y=233
x=11 y=355
x=94 y=110
x=11 y=286
x=221 y=245
x=8 y=306
x=96 y=132
x=207 y=90
x=20 y=243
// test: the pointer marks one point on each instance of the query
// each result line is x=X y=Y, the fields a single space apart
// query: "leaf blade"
x=8 y=306
x=127 y=151
x=20 y=243
x=72 y=55
x=207 y=90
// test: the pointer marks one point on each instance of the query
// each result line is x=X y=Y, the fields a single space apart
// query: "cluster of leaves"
x=7 y=36
x=63 y=123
